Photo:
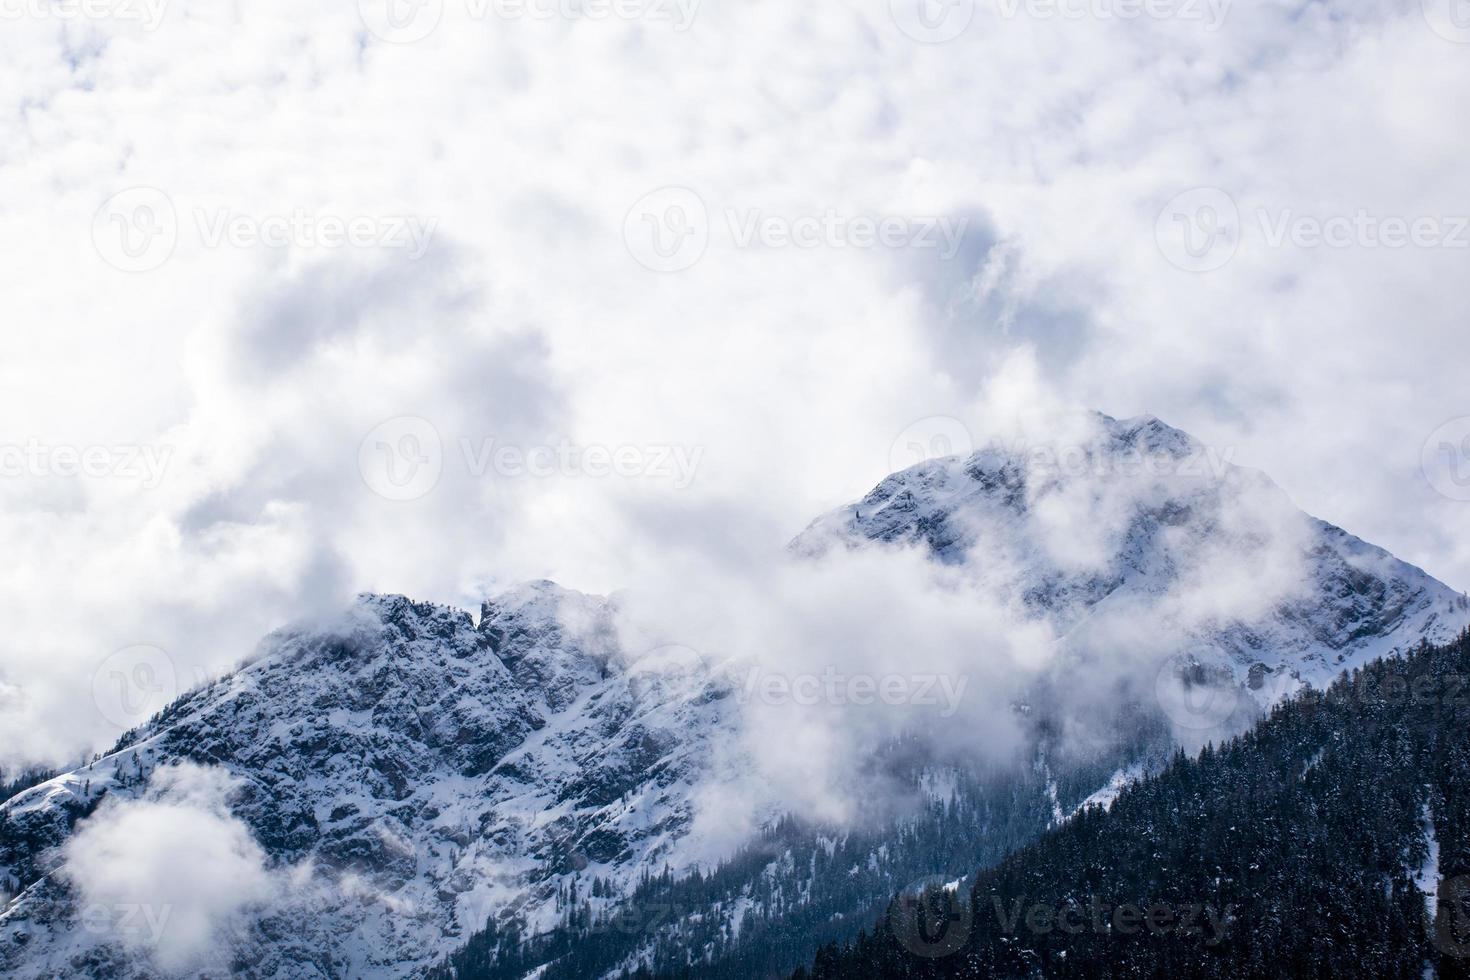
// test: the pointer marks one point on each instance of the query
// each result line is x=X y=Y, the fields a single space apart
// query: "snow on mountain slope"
x=1138 y=540
x=414 y=771
x=409 y=772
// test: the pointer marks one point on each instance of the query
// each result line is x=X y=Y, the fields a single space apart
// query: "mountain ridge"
x=423 y=771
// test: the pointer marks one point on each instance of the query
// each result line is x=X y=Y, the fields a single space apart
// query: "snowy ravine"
x=410 y=771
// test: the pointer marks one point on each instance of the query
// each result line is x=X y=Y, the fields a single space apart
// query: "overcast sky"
x=303 y=300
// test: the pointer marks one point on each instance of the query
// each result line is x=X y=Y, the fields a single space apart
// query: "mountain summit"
x=1135 y=535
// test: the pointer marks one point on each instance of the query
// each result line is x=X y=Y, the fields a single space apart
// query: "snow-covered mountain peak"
x=410 y=772
x=411 y=620
x=1133 y=521
x=1147 y=433
x=554 y=640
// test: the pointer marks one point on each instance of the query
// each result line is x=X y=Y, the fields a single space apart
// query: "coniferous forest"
x=1333 y=840
x=768 y=909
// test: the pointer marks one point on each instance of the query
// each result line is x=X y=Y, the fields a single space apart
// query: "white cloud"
x=831 y=658
x=170 y=874
x=527 y=319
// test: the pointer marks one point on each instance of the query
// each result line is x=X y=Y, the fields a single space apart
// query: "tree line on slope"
x=1332 y=840
x=769 y=908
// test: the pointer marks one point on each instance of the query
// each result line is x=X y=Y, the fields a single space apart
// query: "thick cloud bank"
x=307 y=301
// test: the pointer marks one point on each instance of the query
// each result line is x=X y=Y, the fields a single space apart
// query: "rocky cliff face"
x=418 y=772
